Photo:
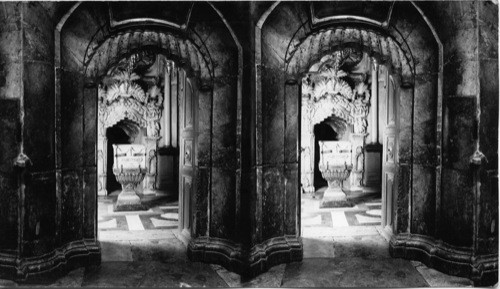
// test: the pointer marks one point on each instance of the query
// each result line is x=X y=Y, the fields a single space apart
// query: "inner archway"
x=116 y=134
x=322 y=132
x=146 y=100
x=348 y=100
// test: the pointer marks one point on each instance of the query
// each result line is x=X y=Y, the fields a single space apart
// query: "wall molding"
x=452 y=260
x=51 y=265
x=234 y=258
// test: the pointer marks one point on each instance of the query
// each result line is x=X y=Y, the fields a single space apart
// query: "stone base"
x=234 y=258
x=356 y=189
x=129 y=207
x=149 y=192
x=481 y=269
x=335 y=198
x=46 y=269
x=128 y=201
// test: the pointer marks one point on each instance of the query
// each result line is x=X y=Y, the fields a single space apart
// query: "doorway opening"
x=349 y=144
x=146 y=116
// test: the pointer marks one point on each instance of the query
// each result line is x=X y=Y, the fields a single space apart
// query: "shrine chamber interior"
x=250 y=137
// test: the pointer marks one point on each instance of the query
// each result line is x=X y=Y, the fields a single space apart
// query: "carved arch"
x=184 y=52
x=302 y=55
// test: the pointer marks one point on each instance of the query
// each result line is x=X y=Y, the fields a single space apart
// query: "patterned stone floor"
x=360 y=219
x=342 y=248
x=162 y=213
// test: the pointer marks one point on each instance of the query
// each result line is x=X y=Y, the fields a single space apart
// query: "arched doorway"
x=215 y=153
x=147 y=100
x=351 y=92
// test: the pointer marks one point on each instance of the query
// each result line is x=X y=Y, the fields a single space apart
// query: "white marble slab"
x=312 y=221
x=163 y=223
x=364 y=219
x=111 y=224
x=174 y=216
x=339 y=219
x=134 y=223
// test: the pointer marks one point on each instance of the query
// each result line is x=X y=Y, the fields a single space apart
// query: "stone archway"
x=325 y=93
x=122 y=98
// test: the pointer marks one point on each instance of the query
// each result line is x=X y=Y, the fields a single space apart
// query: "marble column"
x=149 y=184
x=357 y=153
x=307 y=149
x=102 y=156
x=374 y=102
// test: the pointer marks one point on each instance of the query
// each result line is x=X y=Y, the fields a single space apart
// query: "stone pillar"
x=374 y=101
x=149 y=184
x=102 y=156
x=357 y=153
x=307 y=149
x=167 y=96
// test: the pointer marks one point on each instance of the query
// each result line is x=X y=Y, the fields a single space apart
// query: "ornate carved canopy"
x=329 y=92
x=121 y=97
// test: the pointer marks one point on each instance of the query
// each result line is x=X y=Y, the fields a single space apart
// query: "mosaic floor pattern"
x=358 y=220
x=162 y=213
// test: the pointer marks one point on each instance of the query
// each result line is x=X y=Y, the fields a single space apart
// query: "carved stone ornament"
x=125 y=99
x=122 y=97
x=328 y=93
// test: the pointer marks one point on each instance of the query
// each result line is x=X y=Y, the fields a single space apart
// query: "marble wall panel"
x=424 y=49
x=40 y=214
x=224 y=128
x=223 y=147
x=404 y=19
x=39 y=117
x=292 y=199
x=457 y=202
x=200 y=200
x=71 y=206
x=10 y=126
x=10 y=31
x=488 y=30
x=224 y=105
x=405 y=125
x=204 y=128
x=9 y=205
x=247 y=207
x=423 y=216
x=89 y=202
x=76 y=35
x=38 y=33
x=459 y=44
x=10 y=78
x=89 y=126
x=273 y=123
x=292 y=120
x=72 y=120
x=487 y=242
x=488 y=119
x=403 y=198
x=256 y=176
x=10 y=51
x=424 y=122
x=222 y=212
x=460 y=65
x=273 y=201
x=459 y=132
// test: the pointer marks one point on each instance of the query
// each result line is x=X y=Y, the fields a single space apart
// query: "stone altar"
x=335 y=166
x=129 y=168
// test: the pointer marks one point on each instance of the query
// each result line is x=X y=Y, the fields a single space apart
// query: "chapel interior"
x=249 y=144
